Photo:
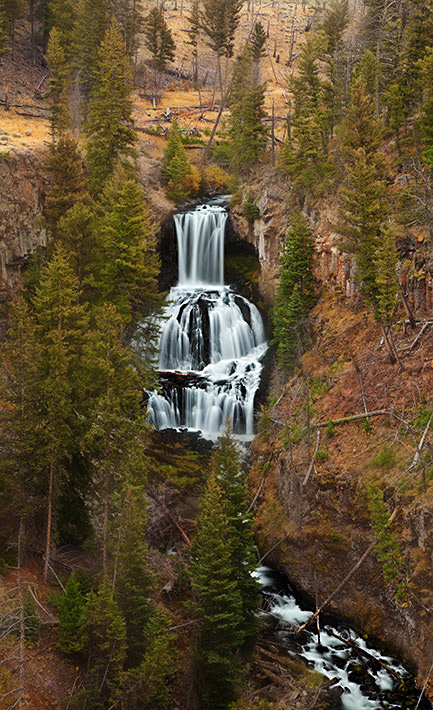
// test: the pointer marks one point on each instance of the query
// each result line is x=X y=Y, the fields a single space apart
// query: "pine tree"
x=295 y=295
x=175 y=166
x=226 y=468
x=114 y=440
x=219 y=22
x=10 y=11
x=68 y=183
x=127 y=266
x=63 y=14
x=32 y=622
x=61 y=326
x=107 y=643
x=131 y=21
x=158 y=38
x=90 y=28
x=219 y=603
x=305 y=156
x=145 y=687
x=360 y=127
x=258 y=42
x=247 y=96
x=59 y=86
x=19 y=469
x=335 y=22
x=110 y=136
x=365 y=207
x=133 y=580
x=72 y=627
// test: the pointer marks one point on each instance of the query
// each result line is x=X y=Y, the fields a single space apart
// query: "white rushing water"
x=209 y=334
x=372 y=688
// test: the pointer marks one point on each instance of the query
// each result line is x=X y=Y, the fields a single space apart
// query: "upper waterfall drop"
x=211 y=337
x=200 y=244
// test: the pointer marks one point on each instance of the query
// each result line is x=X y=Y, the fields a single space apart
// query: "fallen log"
x=353 y=417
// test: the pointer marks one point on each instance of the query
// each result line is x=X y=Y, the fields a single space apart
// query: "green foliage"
x=335 y=22
x=72 y=627
x=295 y=295
x=387 y=548
x=110 y=135
x=145 y=687
x=222 y=561
x=219 y=21
x=386 y=279
x=249 y=208
x=32 y=622
x=107 y=642
x=59 y=86
x=6 y=156
x=158 y=38
x=322 y=455
x=247 y=130
x=126 y=265
x=90 y=27
x=330 y=428
x=258 y=42
x=175 y=166
x=385 y=459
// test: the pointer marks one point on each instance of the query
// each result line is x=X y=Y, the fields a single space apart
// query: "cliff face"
x=23 y=183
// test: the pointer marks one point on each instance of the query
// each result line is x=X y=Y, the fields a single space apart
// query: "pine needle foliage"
x=110 y=136
x=158 y=38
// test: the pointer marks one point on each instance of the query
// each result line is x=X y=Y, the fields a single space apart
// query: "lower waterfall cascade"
x=212 y=339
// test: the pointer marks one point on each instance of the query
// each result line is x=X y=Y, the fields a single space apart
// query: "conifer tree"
x=219 y=603
x=59 y=86
x=63 y=14
x=335 y=22
x=114 y=439
x=247 y=96
x=258 y=42
x=19 y=469
x=72 y=627
x=107 y=643
x=110 y=135
x=133 y=580
x=295 y=295
x=175 y=166
x=219 y=22
x=68 y=183
x=158 y=38
x=131 y=21
x=127 y=266
x=61 y=325
x=10 y=11
x=145 y=687
x=226 y=468
x=90 y=27
x=32 y=622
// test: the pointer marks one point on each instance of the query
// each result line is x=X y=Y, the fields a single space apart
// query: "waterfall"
x=210 y=336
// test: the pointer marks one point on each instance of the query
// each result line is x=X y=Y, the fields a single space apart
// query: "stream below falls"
x=211 y=348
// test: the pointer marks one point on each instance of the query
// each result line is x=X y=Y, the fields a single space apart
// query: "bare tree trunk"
x=49 y=518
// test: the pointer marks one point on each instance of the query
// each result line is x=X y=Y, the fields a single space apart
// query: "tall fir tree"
x=247 y=129
x=175 y=166
x=295 y=296
x=218 y=605
x=72 y=626
x=90 y=27
x=194 y=34
x=63 y=14
x=61 y=327
x=110 y=136
x=158 y=38
x=126 y=263
x=59 y=86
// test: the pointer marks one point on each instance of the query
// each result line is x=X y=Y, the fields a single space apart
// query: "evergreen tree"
x=110 y=136
x=131 y=21
x=360 y=127
x=59 y=86
x=72 y=627
x=365 y=207
x=63 y=14
x=335 y=22
x=68 y=183
x=127 y=266
x=133 y=580
x=115 y=437
x=145 y=687
x=90 y=28
x=305 y=156
x=175 y=166
x=295 y=295
x=226 y=468
x=158 y=38
x=219 y=603
x=219 y=22
x=19 y=413
x=61 y=325
x=386 y=279
x=247 y=96
x=10 y=11
x=258 y=42
x=107 y=643
x=32 y=622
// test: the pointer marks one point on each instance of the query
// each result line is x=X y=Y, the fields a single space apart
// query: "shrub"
x=385 y=459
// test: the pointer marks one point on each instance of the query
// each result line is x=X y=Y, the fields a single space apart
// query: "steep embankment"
x=313 y=507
